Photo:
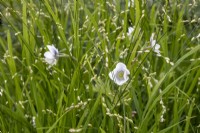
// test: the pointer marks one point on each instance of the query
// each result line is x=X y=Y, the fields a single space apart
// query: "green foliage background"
x=76 y=95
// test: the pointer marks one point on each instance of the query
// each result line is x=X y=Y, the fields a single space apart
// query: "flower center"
x=120 y=75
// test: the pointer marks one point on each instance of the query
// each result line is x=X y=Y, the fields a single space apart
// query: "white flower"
x=120 y=74
x=130 y=31
x=51 y=56
x=155 y=46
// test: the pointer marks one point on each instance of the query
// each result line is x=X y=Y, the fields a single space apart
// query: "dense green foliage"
x=76 y=95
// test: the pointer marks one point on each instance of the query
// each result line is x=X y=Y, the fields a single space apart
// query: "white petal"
x=157 y=46
x=120 y=66
x=153 y=42
x=130 y=30
x=152 y=37
x=52 y=49
x=111 y=75
x=127 y=71
x=157 y=51
x=158 y=54
x=49 y=55
x=121 y=82
x=50 y=61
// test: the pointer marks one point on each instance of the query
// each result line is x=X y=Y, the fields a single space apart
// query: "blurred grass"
x=76 y=95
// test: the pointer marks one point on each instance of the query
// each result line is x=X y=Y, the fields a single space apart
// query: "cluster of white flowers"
x=119 y=75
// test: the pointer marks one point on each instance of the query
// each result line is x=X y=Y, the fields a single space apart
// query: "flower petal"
x=120 y=82
x=126 y=73
x=52 y=49
x=50 y=61
x=111 y=75
x=157 y=46
x=153 y=42
x=120 y=66
x=157 y=51
x=130 y=30
x=49 y=55
x=152 y=37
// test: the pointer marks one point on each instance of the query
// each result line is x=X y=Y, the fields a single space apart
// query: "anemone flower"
x=120 y=74
x=51 y=56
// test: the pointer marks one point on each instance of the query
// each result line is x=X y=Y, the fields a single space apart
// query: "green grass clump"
x=77 y=95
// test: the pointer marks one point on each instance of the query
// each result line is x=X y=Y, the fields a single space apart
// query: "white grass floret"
x=130 y=31
x=156 y=47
